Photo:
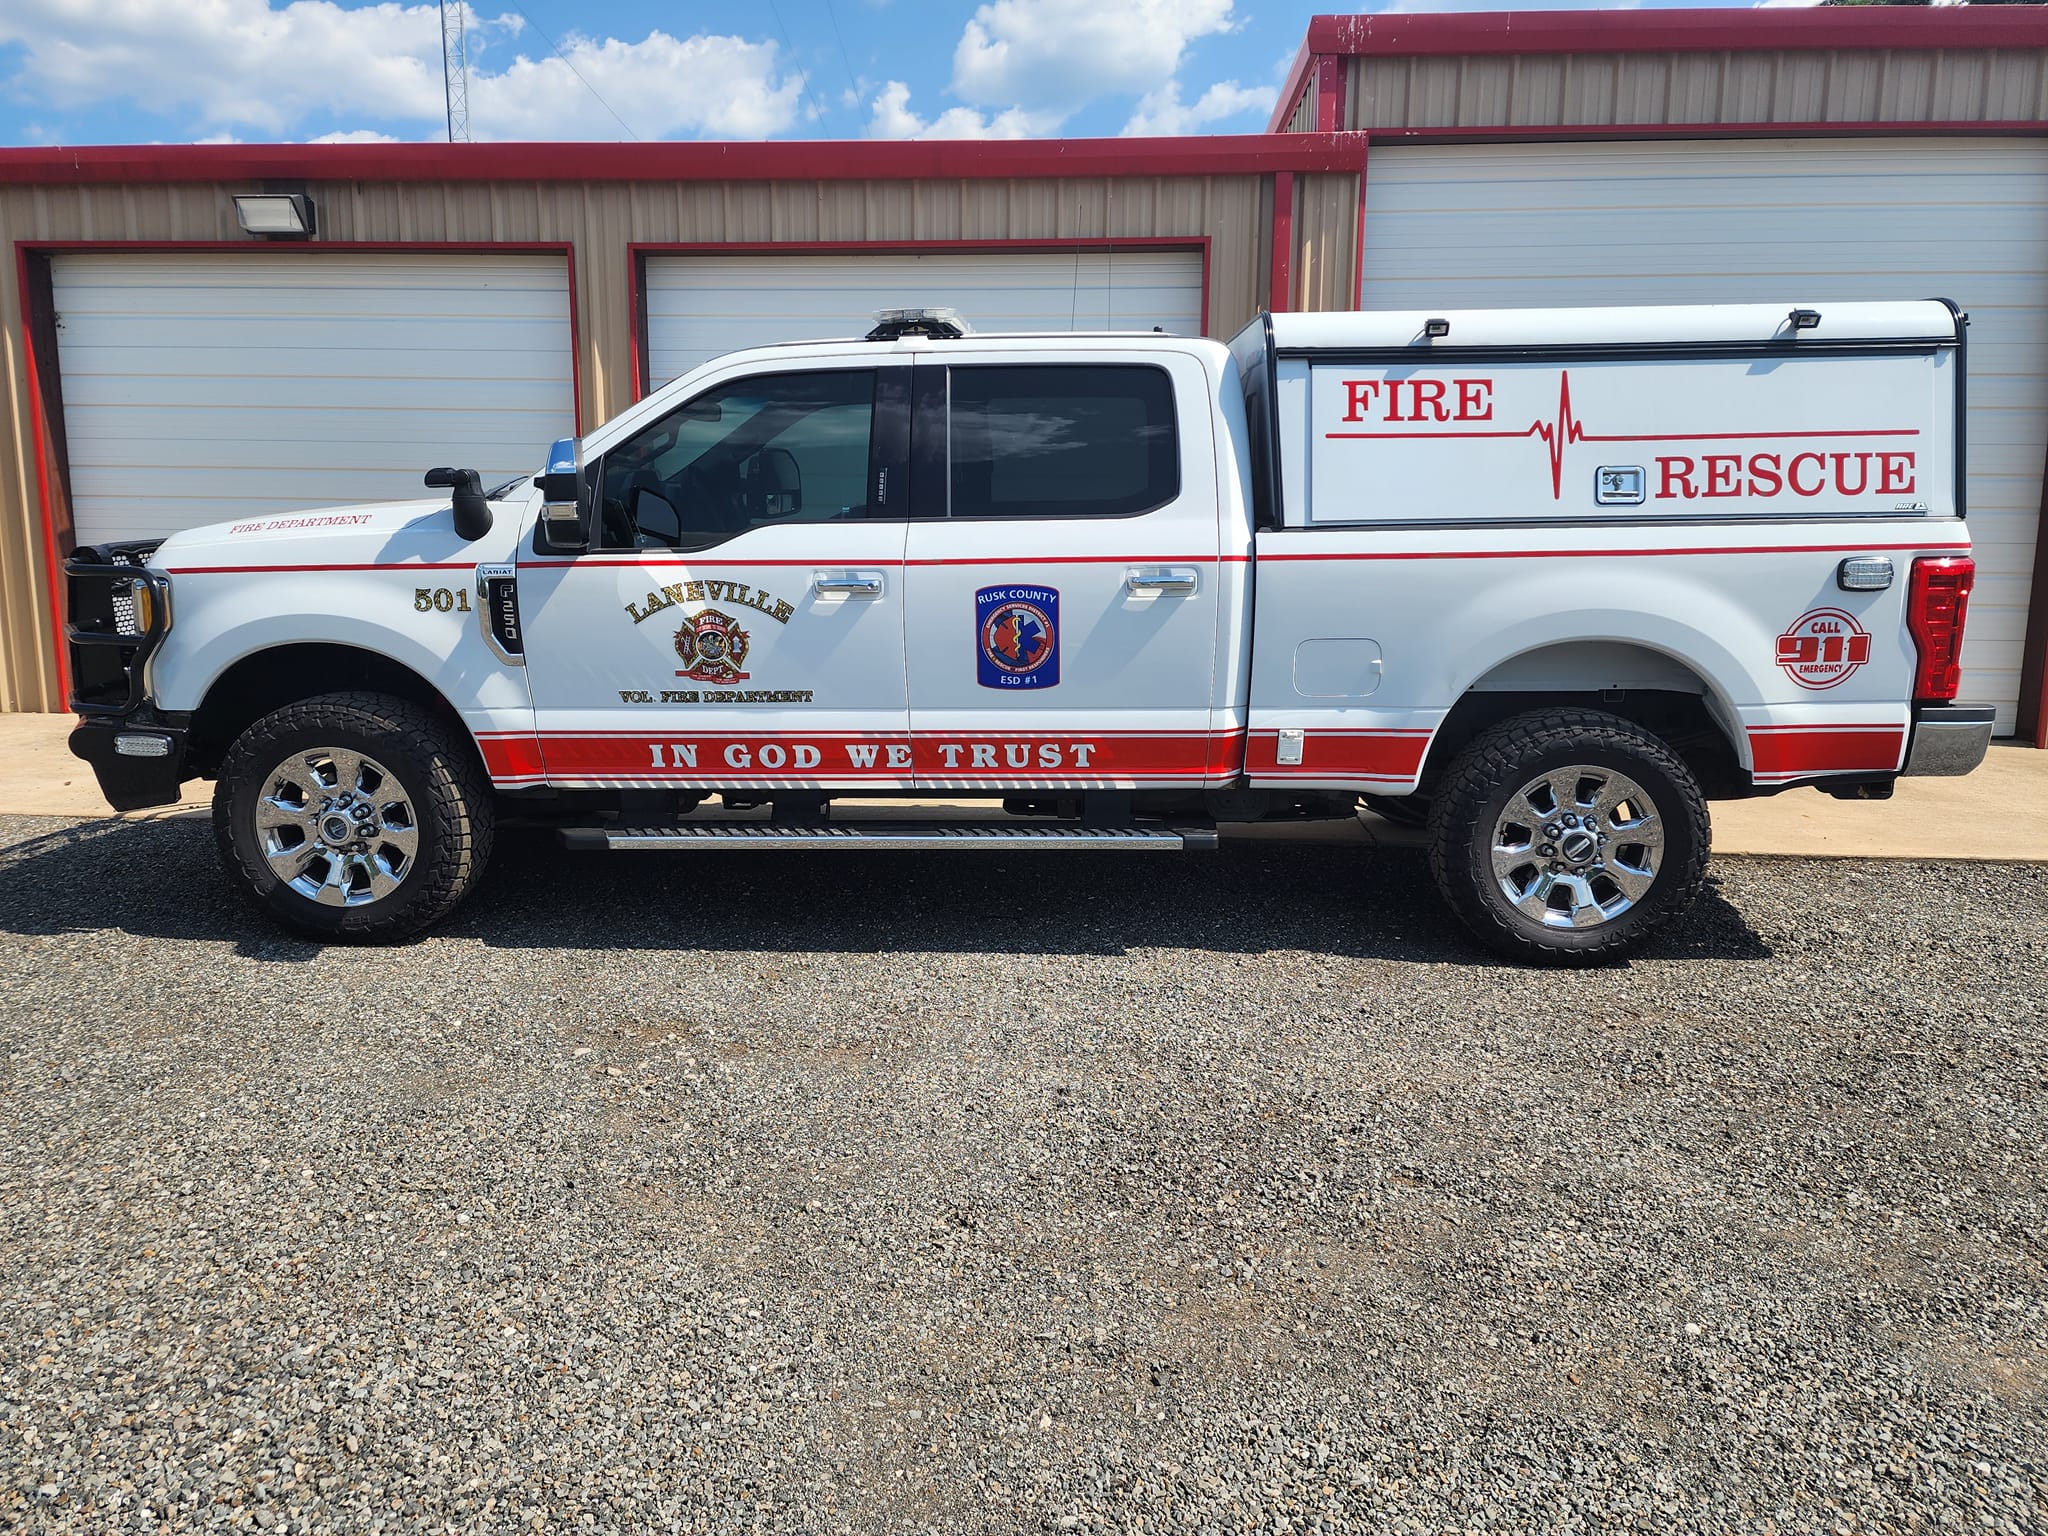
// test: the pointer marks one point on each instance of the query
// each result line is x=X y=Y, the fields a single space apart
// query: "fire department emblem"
x=1018 y=634
x=1823 y=648
x=712 y=648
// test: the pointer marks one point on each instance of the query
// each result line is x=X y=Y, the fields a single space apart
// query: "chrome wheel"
x=1578 y=847
x=336 y=826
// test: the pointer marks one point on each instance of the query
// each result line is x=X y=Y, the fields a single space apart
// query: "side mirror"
x=472 y=513
x=565 y=496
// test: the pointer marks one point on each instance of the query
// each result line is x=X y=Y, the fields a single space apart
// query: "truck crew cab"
x=1542 y=580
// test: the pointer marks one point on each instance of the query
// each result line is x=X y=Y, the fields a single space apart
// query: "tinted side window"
x=1062 y=441
x=775 y=448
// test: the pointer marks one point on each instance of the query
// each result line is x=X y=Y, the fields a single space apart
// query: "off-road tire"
x=1495 y=766
x=435 y=767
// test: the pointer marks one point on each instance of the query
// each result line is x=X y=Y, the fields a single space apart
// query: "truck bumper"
x=1948 y=740
x=138 y=763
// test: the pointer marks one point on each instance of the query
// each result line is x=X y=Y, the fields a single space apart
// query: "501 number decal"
x=440 y=600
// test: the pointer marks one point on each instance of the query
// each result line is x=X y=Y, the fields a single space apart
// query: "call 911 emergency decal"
x=1017 y=635
x=1823 y=648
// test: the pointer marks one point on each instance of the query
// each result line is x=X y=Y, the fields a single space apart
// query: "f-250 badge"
x=1017 y=633
x=712 y=647
x=1823 y=648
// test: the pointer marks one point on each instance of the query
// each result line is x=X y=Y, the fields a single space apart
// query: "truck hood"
x=375 y=533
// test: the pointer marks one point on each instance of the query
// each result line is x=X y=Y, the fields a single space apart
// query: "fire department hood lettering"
x=1017 y=637
x=713 y=648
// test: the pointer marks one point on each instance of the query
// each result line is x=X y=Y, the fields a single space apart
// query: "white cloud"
x=1161 y=111
x=225 y=65
x=354 y=136
x=893 y=119
x=1055 y=56
x=663 y=86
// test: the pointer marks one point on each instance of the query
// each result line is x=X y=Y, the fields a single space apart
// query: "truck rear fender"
x=1672 y=675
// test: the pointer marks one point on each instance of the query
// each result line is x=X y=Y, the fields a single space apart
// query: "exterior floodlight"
x=275 y=215
x=1435 y=329
x=1804 y=319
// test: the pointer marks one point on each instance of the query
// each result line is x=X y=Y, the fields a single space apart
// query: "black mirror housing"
x=473 y=517
x=565 y=499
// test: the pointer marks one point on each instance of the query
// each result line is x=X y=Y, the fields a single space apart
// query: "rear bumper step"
x=889 y=836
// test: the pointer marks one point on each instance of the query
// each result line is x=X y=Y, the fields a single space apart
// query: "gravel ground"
x=876 y=1194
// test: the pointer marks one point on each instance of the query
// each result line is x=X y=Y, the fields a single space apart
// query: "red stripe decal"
x=259 y=570
x=1391 y=754
x=1605 y=554
x=1783 y=752
x=1025 y=757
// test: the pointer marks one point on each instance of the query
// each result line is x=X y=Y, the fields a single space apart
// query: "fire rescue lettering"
x=1684 y=478
x=1386 y=408
x=1468 y=399
x=709 y=592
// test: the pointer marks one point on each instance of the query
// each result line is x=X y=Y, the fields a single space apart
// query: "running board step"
x=889 y=836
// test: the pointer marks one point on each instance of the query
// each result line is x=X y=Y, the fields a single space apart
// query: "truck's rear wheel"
x=353 y=816
x=1568 y=836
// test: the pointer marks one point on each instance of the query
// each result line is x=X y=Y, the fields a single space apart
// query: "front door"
x=1063 y=574
x=738 y=619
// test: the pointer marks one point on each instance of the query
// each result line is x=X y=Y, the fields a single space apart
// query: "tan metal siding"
x=1850 y=85
x=1325 y=243
x=1303 y=118
x=599 y=221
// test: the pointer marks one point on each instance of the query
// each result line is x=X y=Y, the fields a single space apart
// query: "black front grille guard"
x=109 y=650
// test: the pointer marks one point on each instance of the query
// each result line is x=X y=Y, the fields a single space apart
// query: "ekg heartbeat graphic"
x=1566 y=429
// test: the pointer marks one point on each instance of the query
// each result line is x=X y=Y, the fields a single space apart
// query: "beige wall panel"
x=1860 y=85
x=25 y=663
x=1325 y=272
x=1304 y=118
x=599 y=222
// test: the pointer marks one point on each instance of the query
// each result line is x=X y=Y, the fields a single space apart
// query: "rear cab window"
x=1060 y=440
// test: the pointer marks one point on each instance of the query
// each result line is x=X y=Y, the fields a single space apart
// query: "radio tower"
x=455 y=68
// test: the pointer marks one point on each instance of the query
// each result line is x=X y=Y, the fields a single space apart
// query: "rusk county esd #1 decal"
x=1017 y=637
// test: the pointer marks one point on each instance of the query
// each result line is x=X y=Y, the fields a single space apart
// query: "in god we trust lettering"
x=866 y=755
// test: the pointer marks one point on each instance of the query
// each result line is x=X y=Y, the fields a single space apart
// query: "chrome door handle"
x=845 y=584
x=1166 y=583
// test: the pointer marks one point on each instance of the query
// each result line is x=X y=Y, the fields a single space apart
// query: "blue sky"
x=175 y=71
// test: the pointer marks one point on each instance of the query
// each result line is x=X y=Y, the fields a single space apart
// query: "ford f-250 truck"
x=1545 y=581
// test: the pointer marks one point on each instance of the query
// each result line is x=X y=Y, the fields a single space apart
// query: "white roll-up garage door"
x=212 y=385
x=1799 y=221
x=700 y=306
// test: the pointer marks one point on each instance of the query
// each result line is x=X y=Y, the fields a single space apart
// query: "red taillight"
x=1937 y=600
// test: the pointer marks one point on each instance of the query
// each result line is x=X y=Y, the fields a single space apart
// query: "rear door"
x=1062 y=570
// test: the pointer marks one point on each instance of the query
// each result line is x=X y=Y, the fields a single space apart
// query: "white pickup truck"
x=1544 y=581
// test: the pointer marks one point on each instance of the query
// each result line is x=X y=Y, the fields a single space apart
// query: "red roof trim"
x=1475 y=35
x=781 y=160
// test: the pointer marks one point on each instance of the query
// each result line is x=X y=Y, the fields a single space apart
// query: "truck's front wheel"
x=353 y=816
x=1569 y=836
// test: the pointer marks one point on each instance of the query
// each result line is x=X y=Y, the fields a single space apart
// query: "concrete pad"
x=1999 y=813
x=40 y=777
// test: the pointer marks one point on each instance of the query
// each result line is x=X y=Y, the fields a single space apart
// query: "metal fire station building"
x=162 y=367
